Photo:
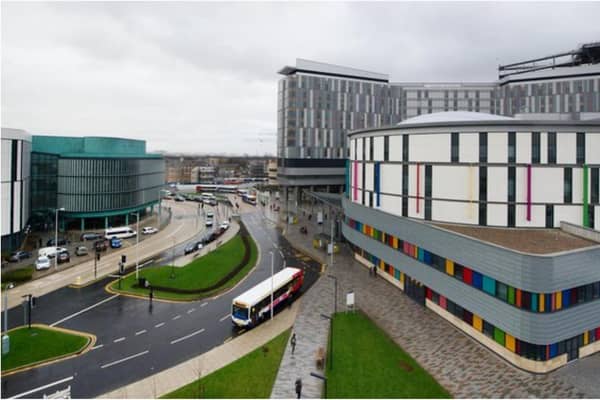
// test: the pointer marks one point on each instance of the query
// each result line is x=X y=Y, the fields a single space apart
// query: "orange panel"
x=542 y=302
x=477 y=323
x=509 y=342
x=558 y=300
x=518 y=299
x=450 y=267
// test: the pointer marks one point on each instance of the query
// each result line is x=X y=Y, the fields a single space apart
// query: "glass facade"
x=44 y=178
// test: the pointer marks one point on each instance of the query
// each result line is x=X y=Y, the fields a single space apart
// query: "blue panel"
x=553 y=350
x=548 y=301
x=566 y=298
x=477 y=280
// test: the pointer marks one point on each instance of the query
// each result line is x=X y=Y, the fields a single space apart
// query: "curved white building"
x=16 y=155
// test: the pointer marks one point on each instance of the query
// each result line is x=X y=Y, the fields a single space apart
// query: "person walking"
x=298 y=388
x=293 y=342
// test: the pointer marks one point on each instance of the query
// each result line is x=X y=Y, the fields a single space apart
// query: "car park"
x=81 y=251
x=149 y=230
x=61 y=242
x=90 y=236
x=17 y=256
x=100 y=245
x=63 y=257
x=115 y=243
x=42 y=263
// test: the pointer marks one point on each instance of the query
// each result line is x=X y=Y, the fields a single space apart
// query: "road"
x=134 y=339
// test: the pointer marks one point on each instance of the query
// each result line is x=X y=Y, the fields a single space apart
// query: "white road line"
x=159 y=325
x=203 y=304
x=176 y=317
x=140 y=332
x=191 y=310
x=70 y=378
x=97 y=347
x=187 y=336
x=225 y=317
x=84 y=310
x=119 y=340
x=125 y=359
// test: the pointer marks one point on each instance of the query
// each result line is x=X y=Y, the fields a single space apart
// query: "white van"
x=120 y=233
x=50 y=251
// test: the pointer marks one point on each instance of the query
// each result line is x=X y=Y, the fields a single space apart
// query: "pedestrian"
x=375 y=271
x=298 y=388
x=293 y=342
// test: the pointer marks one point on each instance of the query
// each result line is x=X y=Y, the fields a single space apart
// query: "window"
x=512 y=147
x=511 y=183
x=364 y=149
x=483 y=150
x=386 y=148
x=371 y=148
x=454 y=148
x=511 y=215
x=458 y=271
x=428 y=173
x=551 y=147
x=405 y=148
x=405 y=190
x=595 y=186
x=580 y=148
x=488 y=329
x=535 y=147
x=549 y=216
x=501 y=291
x=482 y=196
x=568 y=180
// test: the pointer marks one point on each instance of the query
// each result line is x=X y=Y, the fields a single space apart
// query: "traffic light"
x=121 y=268
x=33 y=301
x=97 y=256
x=123 y=259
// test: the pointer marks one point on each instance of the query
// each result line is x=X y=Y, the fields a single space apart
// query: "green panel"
x=57 y=144
x=511 y=295
x=104 y=147
x=499 y=336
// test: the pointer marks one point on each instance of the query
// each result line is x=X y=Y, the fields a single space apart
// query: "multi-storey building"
x=453 y=208
x=318 y=104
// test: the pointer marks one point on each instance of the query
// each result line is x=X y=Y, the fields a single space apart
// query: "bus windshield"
x=240 y=312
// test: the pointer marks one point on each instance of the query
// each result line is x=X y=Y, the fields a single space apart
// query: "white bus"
x=123 y=232
x=254 y=305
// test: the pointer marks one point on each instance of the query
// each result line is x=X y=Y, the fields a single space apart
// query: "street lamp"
x=137 y=243
x=56 y=236
x=272 y=263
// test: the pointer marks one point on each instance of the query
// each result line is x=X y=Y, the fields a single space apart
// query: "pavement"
x=463 y=366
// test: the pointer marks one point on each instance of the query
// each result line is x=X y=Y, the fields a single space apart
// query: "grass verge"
x=368 y=364
x=35 y=345
x=200 y=273
x=18 y=276
x=252 y=376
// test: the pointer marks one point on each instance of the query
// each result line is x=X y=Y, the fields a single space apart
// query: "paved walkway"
x=459 y=363
x=173 y=378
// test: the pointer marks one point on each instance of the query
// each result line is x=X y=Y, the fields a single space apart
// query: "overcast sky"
x=202 y=77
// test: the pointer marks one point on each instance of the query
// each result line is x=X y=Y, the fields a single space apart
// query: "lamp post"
x=137 y=243
x=272 y=263
x=331 y=237
x=56 y=236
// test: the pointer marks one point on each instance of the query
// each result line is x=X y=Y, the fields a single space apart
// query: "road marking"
x=140 y=332
x=84 y=310
x=70 y=378
x=97 y=347
x=187 y=336
x=176 y=317
x=159 y=325
x=191 y=310
x=119 y=340
x=125 y=359
x=225 y=317
x=203 y=304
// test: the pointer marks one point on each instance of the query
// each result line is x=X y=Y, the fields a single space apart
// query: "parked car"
x=100 y=245
x=17 y=256
x=63 y=257
x=61 y=242
x=149 y=230
x=224 y=225
x=209 y=222
x=192 y=248
x=50 y=251
x=115 y=243
x=81 y=251
x=179 y=198
x=90 y=236
x=42 y=263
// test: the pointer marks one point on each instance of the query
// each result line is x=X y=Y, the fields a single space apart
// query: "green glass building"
x=99 y=181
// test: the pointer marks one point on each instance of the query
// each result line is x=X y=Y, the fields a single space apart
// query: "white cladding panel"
x=17 y=206
x=391 y=178
x=497 y=147
x=566 y=144
x=523 y=147
x=378 y=148
x=369 y=175
x=497 y=187
x=546 y=185
x=538 y=216
x=597 y=218
x=6 y=208
x=452 y=211
x=544 y=147
x=352 y=147
x=6 y=160
x=497 y=214
x=592 y=148
x=430 y=148
x=359 y=148
x=568 y=213
x=457 y=182
x=391 y=204
x=396 y=148
x=521 y=184
x=359 y=175
x=577 y=185
x=469 y=147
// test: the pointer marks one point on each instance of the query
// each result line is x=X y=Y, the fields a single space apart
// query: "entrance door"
x=572 y=347
x=415 y=290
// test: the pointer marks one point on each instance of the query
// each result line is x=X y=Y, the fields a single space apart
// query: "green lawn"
x=33 y=345
x=18 y=276
x=368 y=364
x=252 y=376
x=200 y=273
